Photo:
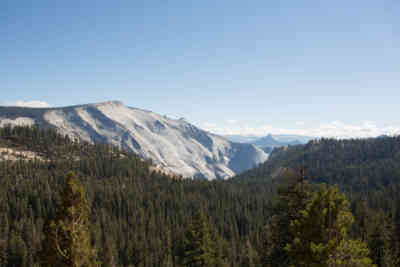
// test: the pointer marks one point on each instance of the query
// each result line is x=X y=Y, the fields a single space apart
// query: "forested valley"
x=327 y=203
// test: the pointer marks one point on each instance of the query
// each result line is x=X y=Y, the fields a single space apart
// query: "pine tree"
x=198 y=247
x=3 y=252
x=17 y=250
x=109 y=257
x=4 y=228
x=293 y=197
x=392 y=244
x=350 y=253
x=319 y=236
x=376 y=244
x=220 y=251
x=67 y=240
x=249 y=256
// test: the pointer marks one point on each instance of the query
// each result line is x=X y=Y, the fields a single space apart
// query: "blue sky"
x=245 y=67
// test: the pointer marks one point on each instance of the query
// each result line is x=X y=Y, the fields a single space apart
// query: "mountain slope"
x=175 y=145
x=268 y=141
x=356 y=165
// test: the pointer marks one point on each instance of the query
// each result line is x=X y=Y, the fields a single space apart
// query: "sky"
x=319 y=68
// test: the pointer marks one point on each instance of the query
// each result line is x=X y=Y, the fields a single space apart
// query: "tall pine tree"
x=198 y=248
x=320 y=234
x=293 y=197
x=67 y=239
x=4 y=228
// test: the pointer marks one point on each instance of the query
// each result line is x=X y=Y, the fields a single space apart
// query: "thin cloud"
x=29 y=103
x=335 y=129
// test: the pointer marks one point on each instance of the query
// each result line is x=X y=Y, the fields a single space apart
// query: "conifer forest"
x=71 y=203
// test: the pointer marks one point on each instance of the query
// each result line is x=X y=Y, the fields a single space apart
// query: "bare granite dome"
x=176 y=145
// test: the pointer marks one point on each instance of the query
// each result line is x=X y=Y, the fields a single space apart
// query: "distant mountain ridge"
x=175 y=145
x=270 y=141
x=241 y=138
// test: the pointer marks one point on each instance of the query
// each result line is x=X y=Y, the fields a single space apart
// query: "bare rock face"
x=174 y=145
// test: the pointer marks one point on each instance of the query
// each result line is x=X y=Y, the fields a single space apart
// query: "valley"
x=199 y=133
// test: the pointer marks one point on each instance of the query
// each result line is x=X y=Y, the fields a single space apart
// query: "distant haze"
x=335 y=129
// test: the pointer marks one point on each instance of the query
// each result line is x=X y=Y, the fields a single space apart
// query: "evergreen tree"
x=392 y=245
x=293 y=197
x=3 y=252
x=376 y=244
x=3 y=239
x=220 y=252
x=198 y=247
x=350 y=253
x=17 y=250
x=249 y=256
x=67 y=240
x=109 y=254
x=320 y=233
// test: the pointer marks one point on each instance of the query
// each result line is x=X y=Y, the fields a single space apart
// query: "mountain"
x=267 y=143
x=175 y=145
x=241 y=138
x=356 y=165
x=292 y=138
